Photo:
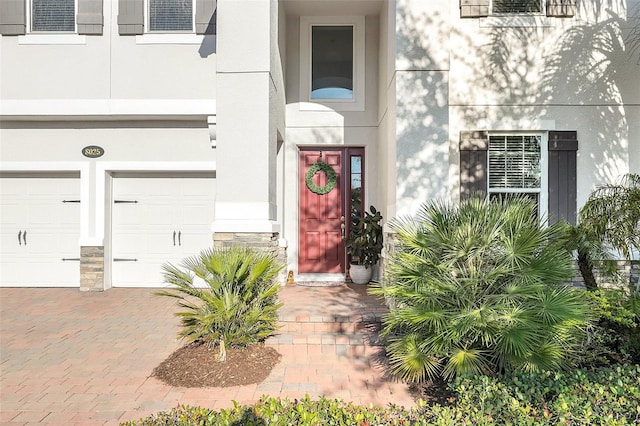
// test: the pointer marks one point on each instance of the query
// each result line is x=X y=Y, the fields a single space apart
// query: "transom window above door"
x=332 y=56
x=332 y=62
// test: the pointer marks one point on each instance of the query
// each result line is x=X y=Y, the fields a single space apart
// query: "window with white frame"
x=332 y=56
x=516 y=6
x=53 y=15
x=515 y=166
x=170 y=15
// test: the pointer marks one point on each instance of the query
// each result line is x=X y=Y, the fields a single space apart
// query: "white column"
x=246 y=140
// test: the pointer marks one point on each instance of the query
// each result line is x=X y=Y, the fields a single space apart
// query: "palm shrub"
x=609 y=228
x=478 y=288
x=237 y=303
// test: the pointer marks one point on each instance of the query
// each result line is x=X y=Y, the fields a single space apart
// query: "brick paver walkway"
x=69 y=357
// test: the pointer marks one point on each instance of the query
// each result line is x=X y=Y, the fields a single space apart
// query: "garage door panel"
x=165 y=205
x=48 y=229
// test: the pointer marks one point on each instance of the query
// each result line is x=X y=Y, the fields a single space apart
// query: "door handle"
x=179 y=238
x=342 y=231
x=24 y=237
x=20 y=237
x=174 y=238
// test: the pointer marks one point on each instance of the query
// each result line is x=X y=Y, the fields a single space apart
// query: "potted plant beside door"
x=364 y=245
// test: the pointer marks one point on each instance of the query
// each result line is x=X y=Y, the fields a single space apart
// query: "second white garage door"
x=157 y=220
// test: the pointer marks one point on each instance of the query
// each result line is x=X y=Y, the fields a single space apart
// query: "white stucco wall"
x=539 y=74
x=109 y=66
x=421 y=102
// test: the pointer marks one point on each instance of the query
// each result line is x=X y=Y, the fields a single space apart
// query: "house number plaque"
x=92 y=151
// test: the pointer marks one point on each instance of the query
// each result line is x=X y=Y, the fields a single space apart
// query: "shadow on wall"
x=593 y=64
x=208 y=45
x=422 y=149
x=599 y=64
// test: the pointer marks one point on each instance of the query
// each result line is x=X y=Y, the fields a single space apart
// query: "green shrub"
x=606 y=396
x=236 y=304
x=615 y=337
x=476 y=289
x=284 y=412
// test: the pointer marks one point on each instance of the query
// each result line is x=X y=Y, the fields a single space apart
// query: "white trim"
x=168 y=38
x=63 y=166
x=52 y=38
x=358 y=101
x=107 y=107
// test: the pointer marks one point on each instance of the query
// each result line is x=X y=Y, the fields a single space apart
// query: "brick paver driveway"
x=70 y=357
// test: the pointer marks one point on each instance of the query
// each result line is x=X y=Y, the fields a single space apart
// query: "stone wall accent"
x=92 y=268
x=257 y=240
x=629 y=274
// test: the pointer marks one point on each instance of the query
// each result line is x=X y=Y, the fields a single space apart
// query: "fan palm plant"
x=609 y=227
x=236 y=301
x=478 y=289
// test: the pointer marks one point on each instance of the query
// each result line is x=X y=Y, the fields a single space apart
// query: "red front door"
x=321 y=215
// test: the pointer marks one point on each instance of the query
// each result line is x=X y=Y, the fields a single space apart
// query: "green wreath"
x=328 y=171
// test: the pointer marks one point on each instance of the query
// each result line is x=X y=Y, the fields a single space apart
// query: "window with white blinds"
x=514 y=163
x=516 y=6
x=53 y=15
x=171 y=15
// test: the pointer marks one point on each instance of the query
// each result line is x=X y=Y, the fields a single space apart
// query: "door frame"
x=348 y=152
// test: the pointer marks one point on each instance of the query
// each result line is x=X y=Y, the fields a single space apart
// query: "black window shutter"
x=473 y=163
x=563 y=146
x=561 y=8
x=474 y=8
x=13 y=17
x=130 y=17
x=206 y=16
x=90 y=19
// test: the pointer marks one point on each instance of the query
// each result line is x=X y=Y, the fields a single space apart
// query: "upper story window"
x=53 y=15
x=332 y=56
x=550 y=8
x=166 y=21
x=516 y=6
x=332 y=62
x=170 y=15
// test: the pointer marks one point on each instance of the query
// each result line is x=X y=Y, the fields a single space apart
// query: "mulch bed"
x=196 y=365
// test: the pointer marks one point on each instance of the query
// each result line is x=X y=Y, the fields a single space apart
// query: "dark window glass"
x=516 y=6
x=170 y=15
x=332 y=62
x=53 y=15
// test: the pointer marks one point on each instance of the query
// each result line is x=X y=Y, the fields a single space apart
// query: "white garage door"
x=158 y=220
x=40 y=231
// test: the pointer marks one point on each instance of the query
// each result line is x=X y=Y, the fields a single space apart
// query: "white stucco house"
x=136 y=132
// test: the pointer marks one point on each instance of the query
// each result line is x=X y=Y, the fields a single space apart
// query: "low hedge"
x=604 y=396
